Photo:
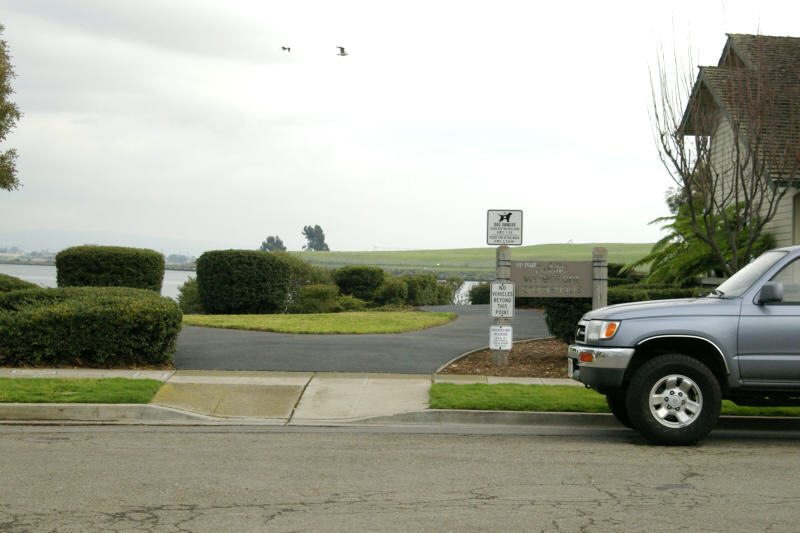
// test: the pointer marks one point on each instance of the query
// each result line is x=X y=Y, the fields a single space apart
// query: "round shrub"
x=359 y=281
x=110 y=266
x=87 y=326
x=10 y=283
x=316 y=299
x=393 y=291
x=242 y=282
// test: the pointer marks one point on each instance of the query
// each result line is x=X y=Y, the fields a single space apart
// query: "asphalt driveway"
x=418 y=352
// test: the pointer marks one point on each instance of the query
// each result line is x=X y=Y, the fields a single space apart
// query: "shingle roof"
x=764 y=51
x=754 y=70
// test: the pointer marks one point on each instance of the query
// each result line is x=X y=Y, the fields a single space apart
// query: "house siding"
x=781 y=227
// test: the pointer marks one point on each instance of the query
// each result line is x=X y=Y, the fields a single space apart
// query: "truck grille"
x=580 y=333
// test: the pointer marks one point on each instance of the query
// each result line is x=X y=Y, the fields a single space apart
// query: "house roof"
x=753 y=70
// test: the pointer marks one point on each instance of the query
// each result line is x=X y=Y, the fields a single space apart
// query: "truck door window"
x=790 y=277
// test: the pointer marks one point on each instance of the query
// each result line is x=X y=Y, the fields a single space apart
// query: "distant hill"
x=472 y=263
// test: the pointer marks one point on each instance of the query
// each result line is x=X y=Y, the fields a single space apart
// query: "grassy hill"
x=472 y=263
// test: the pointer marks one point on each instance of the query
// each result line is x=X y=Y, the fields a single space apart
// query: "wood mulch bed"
x=538 y=358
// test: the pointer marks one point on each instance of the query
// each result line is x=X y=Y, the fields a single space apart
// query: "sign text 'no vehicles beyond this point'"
x=504 y=227
x=502 y=299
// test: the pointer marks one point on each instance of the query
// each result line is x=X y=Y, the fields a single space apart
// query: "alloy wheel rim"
x=675 y=401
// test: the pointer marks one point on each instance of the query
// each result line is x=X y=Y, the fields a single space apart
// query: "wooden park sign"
x=552 y=279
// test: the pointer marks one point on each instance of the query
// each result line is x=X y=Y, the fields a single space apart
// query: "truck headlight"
x=601 y=330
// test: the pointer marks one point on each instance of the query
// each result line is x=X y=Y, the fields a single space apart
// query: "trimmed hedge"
x=242 y=282
x=10 y=283
x=359 y=281
x=110 y=266
x=87 y=326
x=562 y=314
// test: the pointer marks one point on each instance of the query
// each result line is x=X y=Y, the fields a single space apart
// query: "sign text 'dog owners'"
x=504 y=227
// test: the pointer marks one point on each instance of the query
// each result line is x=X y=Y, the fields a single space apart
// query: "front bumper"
x=606 y=368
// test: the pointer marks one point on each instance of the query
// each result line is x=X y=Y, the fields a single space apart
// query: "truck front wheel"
x=673 y=399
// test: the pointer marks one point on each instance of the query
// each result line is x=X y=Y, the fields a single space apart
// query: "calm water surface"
x=45 y=276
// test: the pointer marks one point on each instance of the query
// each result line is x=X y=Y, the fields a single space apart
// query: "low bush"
x=316 y=299
x=302 y=273
x=110 y=266
x=359 y=281
x=87 y=326
x=425 y=289
x=10 y=283
x=242 y=282
x=189 y=298
x=480 y=294
x=393 y=292
x=349 y=303
x=562 y=315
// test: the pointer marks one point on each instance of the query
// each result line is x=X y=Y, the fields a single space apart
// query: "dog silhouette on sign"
x=506 y=217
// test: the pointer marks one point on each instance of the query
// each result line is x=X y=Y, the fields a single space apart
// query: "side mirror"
x=771 y=291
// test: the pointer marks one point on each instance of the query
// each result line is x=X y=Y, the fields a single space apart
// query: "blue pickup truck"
x=665 y=365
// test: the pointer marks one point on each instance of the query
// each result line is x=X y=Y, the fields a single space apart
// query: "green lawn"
x=563 y=398
x=328 y=323
x=61 y=390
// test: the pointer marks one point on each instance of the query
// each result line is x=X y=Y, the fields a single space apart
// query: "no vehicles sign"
x=502 y=299
x=504 y=227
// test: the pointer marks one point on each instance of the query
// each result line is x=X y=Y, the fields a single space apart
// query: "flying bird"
x=341 y=51
x=286 y=48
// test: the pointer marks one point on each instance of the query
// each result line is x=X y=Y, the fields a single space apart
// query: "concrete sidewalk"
x=252 y=397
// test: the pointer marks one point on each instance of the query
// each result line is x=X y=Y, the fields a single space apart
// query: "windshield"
x=744 y=278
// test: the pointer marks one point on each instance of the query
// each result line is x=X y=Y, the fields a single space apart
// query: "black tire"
x=619 y=408
x=690 y=405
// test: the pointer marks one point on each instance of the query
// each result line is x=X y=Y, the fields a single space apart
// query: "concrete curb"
x=505 y=418
x=148 y=414
x=94 y=412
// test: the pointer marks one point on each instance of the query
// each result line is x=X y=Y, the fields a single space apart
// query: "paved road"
x=419 y=352
x=215 y=479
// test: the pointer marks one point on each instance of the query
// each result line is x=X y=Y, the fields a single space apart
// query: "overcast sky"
x=181 y=125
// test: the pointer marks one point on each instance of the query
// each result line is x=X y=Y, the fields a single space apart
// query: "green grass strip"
x=77 y=390
x=327 y=323
x=560 y=398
